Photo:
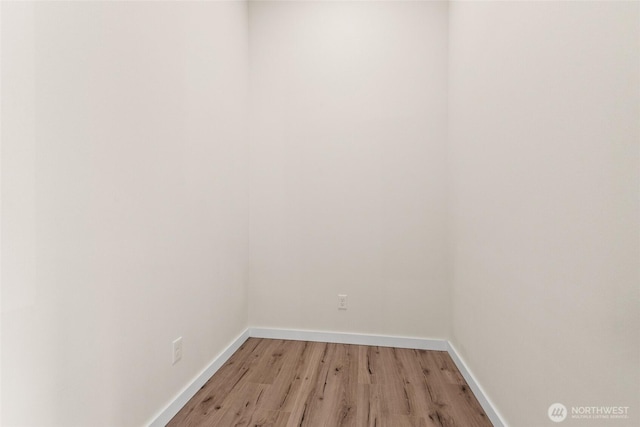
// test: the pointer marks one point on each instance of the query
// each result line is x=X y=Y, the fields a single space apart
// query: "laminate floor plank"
x=210 y=397
x=305 y=385
x=269 y=363
x=284 y=386
x=341 y=392
x=320 y=400
x=364 y=365
x=280 y=383
x=269 y=418
x=242 y=409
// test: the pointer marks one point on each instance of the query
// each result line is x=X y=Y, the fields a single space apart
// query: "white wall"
x=348 y=166
x=544 y=121
x=124 y=213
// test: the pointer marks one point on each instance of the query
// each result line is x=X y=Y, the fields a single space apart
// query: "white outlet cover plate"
x=177 y=350
x=342 y=302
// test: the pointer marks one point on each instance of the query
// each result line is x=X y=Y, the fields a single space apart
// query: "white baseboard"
x=493 y=415
x=349 y=338
x=162 y=418
x=334 y=337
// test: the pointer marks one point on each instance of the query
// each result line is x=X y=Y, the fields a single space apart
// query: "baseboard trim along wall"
x=333 y=337
x=162 y=418
x=478 y=391
x=349 y=338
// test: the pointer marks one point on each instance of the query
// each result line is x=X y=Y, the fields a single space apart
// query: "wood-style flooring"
x=280 y=383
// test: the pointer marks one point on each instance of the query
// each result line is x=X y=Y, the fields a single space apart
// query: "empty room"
x=320 y=213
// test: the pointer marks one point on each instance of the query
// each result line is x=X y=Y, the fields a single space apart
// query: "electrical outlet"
x=342 y=302
x=177 y=350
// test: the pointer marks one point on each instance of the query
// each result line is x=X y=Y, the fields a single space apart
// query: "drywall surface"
x=348 y=155
x=544 y=109
x=124 y=211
